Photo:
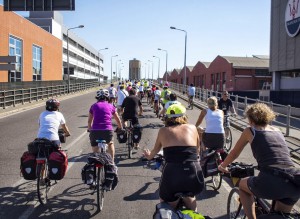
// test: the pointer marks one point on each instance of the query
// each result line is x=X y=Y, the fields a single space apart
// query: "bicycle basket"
x=241 y=170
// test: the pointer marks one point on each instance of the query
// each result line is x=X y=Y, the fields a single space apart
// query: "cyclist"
x=165 y=94
x=153 y=89
x=173 y=100
x=121 y=95
x=213 y=136
x=157 y=94
x=191 y=94
x=182 y=171
x=112 y=94
x=50 y=121
x=100 y=124
x=141 y=91
x=272 y=155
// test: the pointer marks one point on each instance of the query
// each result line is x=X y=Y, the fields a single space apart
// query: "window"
x=262 y=72
x=15 y=49
x=36 y=63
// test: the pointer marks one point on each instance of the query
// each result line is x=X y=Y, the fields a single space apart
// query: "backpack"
x=167 y=95
x=28 y=166
x=58 y=164
x=164 y=211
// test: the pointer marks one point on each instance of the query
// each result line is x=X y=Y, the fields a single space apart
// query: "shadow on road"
x=140 y=195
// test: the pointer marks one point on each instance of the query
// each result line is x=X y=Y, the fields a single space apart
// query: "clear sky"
x=136 y=28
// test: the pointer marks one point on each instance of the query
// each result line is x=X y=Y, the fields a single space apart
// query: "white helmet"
x=102 y=93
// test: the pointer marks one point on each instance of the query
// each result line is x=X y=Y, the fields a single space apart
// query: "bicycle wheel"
x=217 y=181
x=228 y=139
x=43 y=183
x=100 y=190
x=129 y=145
x=234 y=206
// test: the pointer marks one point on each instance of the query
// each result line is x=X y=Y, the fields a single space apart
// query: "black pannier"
x=137 y=134
x=122 y=136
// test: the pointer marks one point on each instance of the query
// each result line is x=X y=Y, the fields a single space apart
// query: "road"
x=136 y=194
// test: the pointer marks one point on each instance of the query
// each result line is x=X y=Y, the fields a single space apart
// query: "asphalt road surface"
x=136 y=194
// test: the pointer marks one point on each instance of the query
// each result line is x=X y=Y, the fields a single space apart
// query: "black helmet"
x=52 y=104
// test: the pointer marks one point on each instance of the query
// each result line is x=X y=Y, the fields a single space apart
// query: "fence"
x=287 y=117
x=21 y=96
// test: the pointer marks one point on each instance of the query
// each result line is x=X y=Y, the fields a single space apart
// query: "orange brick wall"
x=30 y=34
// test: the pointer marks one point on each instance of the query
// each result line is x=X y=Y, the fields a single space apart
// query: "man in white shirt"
x=121 y=95
x=112 y=94
x=157 y=94
x=191 y=94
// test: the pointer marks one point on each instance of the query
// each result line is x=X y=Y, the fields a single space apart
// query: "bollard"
x=288 y=120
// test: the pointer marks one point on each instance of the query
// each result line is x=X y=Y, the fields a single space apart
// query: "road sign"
x=8 y=59
x=7 y=67
x=39 y=5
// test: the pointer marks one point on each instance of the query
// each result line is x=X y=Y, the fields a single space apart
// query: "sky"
x=136 y=28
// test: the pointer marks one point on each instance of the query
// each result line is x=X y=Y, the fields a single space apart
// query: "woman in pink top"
x=100 y=122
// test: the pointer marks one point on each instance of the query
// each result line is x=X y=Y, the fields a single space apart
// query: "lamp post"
x=152 y=68
x=68 y=67
x=166 y=62
x=145 y=70
x=184 y=79
x=99 y=61
x=117 y=66
x=158 y=66
x=111 y=67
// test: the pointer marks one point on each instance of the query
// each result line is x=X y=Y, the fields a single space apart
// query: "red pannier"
x=28 y=166
x=58 y=164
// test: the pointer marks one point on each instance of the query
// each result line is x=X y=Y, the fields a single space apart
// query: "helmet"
x=166 y=84
x=52 y=104
x=175 y=110
x=102 y=94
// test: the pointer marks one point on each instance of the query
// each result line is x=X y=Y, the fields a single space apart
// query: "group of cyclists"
x=180 y=141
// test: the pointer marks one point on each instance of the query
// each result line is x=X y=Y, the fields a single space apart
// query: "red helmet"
x=52 y=104
x=166 y=84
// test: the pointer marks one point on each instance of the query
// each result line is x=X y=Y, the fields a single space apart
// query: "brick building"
x=39 y=53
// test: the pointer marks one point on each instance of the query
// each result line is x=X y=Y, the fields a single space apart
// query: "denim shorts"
x=268 y=186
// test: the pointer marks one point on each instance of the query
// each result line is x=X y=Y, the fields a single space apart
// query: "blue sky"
x=136 y=28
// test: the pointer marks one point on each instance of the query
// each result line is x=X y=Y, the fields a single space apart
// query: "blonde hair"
x=176 y=120
x=212 y=102
x=260 y=114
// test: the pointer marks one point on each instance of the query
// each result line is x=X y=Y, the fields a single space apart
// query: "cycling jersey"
x=49 y=122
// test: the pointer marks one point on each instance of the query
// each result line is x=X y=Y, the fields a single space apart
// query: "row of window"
x=15 y=49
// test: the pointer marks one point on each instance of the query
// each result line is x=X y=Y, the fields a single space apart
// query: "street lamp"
x=145 y=70
x=117 y=67
x=99 y=61
x=152 y=68
x=184 y=79
x=158 y=68
x=166 y=62
x=68 y=68
x=111 y=67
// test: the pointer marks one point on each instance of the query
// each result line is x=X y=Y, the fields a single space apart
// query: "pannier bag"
x=88 y=174
x=111 y=177
x=39 y=144
x=58 y=164
x=209 y=164
x=122 y=136
x=62 y=137
x=137 y=134
x=28 y=166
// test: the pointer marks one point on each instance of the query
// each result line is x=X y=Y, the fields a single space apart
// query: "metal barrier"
x=288 y=118
x=10 y=98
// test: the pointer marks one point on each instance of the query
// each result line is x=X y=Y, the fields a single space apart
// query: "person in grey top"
x=272 y=155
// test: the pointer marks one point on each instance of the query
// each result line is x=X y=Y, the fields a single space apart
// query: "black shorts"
x=213 y=140
x=106 y=135
x=268 y=186
x=180 y=178
x=134 y=120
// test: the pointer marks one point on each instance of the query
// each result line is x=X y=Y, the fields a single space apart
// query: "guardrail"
x=286 y=119
x=10 y=98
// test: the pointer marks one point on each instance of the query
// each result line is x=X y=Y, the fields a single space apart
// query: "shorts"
x=106 y=135
x=268 y=186
x=56 y=143
x=191 y=97
x=180 y=177
x=213 y=140
x=134 y=120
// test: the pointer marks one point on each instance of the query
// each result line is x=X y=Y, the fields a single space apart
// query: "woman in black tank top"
x=182 y=172
x=270 y=151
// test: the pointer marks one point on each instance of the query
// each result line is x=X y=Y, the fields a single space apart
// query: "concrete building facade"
x=134 y=69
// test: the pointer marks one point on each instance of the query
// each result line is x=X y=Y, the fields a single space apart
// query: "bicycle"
x=228 y=134
x=237 y=171
x=99 y=174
